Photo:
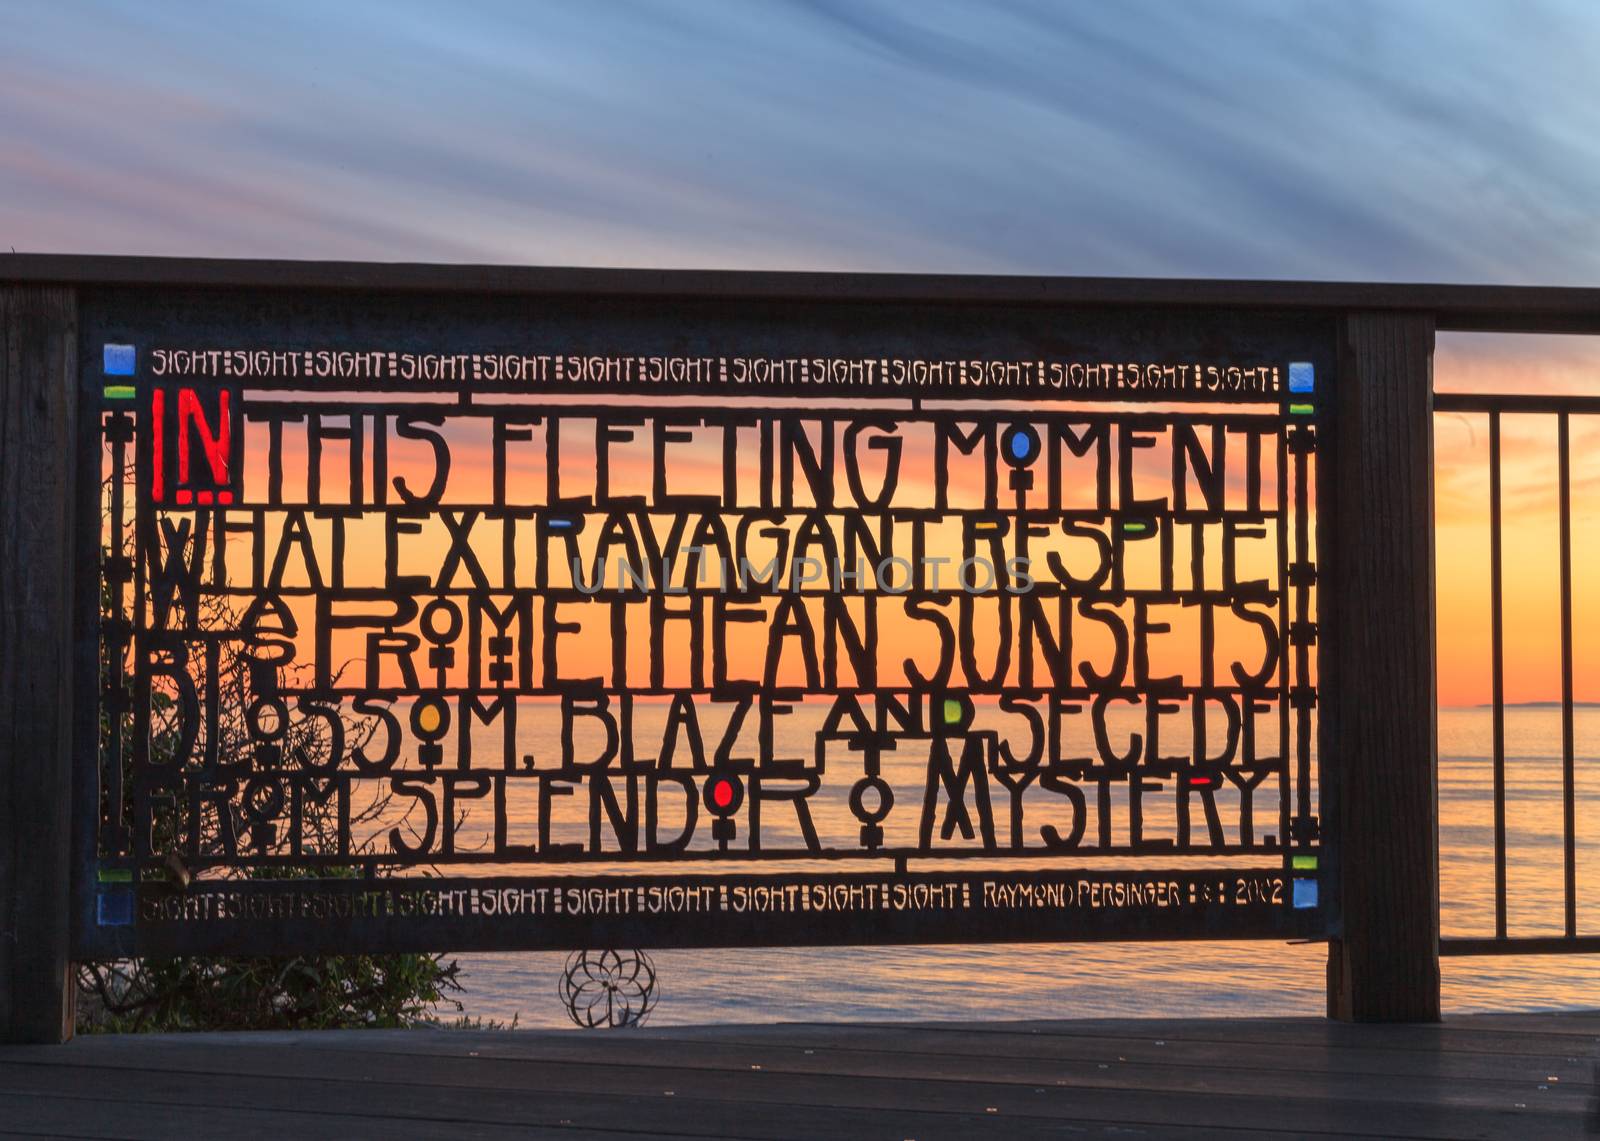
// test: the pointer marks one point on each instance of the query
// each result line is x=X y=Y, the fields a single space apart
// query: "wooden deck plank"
x=794 y=1044
x=23 y=1115
x=1544 y=1023
x=1534 y=1035
x=1208 y=1077
x=578 y=1118
x=890 y=1054
x=642 y=1059
x=1464 y=1036
x=1267 y=1029
x=744 y=1103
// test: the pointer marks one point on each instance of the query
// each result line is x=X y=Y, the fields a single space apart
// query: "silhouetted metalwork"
x=509 y=612
x=609 y=988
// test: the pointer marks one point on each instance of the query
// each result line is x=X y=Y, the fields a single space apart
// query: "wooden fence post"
x=39 y=461
x=1379 y=735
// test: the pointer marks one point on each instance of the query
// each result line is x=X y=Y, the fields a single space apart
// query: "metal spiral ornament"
x=609 y=988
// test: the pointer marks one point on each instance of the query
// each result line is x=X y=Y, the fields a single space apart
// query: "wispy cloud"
x=1446 y=141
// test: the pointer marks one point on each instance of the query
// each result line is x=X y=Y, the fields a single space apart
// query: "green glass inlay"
x=1305 y=863
x=1133 y=527
x=115 y=875
x=952 y=711
x=120 y=392
x=1302 y=409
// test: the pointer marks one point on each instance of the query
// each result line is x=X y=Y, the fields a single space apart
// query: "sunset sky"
x=1445 y=141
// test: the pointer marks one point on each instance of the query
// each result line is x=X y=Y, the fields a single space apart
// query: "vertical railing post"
x=39 y=462
x=1378 y=743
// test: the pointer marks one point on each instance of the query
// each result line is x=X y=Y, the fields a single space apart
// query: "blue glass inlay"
x=114 y=908
x=1305 y=893
x=1302 y=377
x=119 y=360
x=1021 y=444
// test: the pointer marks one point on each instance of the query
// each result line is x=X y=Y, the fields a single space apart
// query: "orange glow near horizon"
x=1463 y=363
x=1530 y=542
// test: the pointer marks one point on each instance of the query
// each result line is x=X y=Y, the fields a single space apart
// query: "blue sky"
x=1453 y=140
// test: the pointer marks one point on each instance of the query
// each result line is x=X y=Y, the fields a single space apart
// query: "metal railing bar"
x=1283 y=636
x=1497 y=402
x=1497 y=653
x=1526 y=945
x=1568 y=791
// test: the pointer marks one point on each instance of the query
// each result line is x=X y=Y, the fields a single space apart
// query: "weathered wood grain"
x=38 y=460
x=1378 y=693
x=811 y=1081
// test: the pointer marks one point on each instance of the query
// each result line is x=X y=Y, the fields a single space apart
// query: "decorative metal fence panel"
x=486 y=622
x=1536 y=823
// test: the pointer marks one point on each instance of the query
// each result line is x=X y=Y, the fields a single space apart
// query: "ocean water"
x=1086 y=980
